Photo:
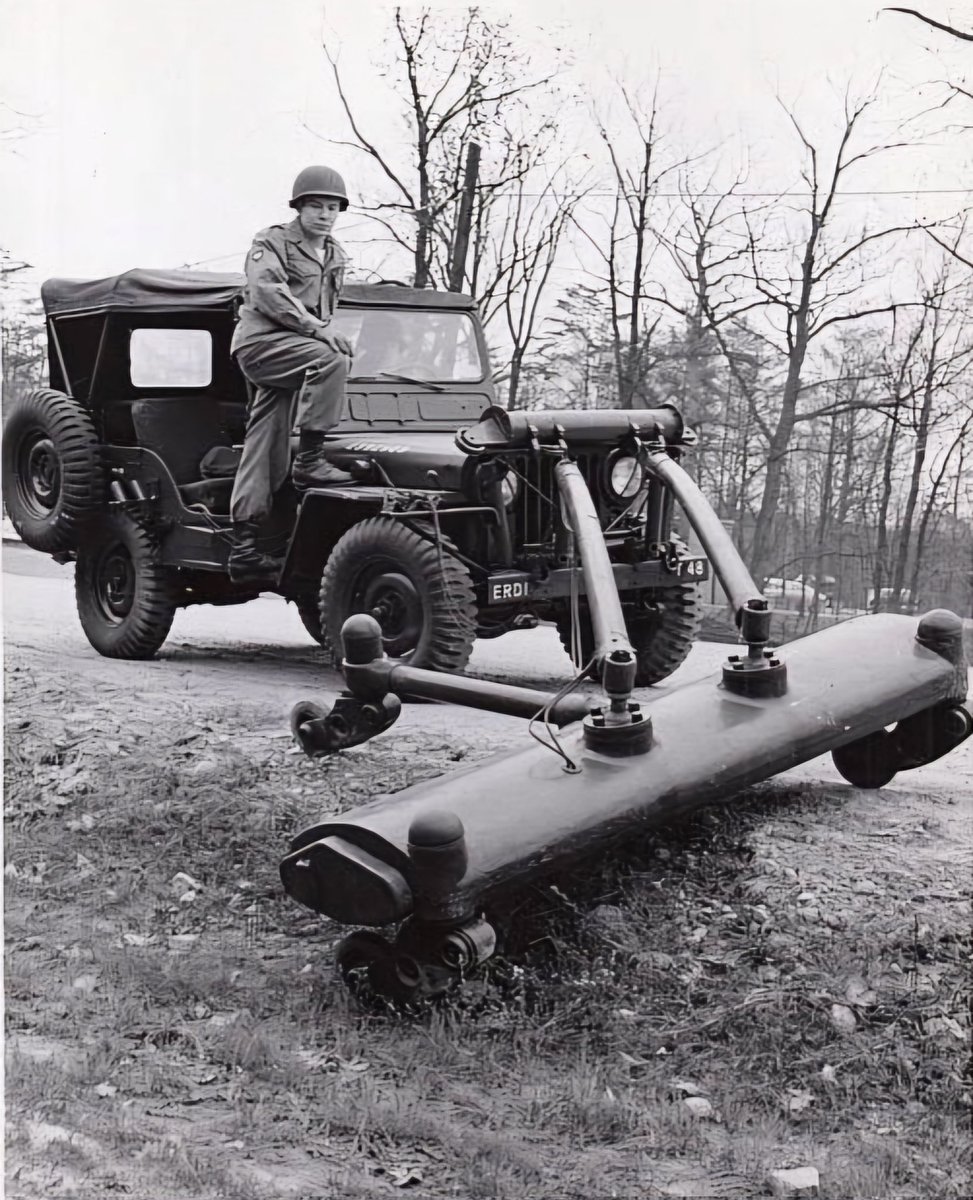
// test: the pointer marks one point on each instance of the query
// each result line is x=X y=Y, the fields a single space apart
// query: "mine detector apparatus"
x=430 y=858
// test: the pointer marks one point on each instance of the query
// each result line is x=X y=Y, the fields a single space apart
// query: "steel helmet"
x=319 y=181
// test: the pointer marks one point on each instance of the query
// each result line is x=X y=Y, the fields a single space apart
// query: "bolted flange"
x=622 y=733
x=754 y=676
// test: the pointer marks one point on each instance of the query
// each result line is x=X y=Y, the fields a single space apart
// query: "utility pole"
x=457 y=258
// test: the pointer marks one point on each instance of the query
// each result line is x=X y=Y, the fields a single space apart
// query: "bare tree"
x=944 y=363
x=458 y=77
x=961 y=34
x=640 y=163
x=811 y=285
x=523 y=249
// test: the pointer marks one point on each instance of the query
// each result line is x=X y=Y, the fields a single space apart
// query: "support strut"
x=759 y=672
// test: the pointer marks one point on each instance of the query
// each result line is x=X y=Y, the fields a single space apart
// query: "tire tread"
x=450 y=588
x=147 y=626
x=71 y=429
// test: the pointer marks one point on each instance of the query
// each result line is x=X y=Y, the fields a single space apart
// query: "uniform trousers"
x=298 y=381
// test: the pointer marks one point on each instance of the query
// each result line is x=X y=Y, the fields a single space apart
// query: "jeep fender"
x=325 y=514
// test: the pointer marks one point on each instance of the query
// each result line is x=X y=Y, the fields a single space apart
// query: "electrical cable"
x=544 y=714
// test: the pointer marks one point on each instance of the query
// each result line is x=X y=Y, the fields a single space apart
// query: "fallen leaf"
x=843 y=1019
x=181 y=882
x=798 y=1100
x=631 y=1061
x=793 y=1181
x=859 y=993
x=686 y=1086
x=179 y=941
x=404 y=1175
x=946 y=1025
x=106 y=1090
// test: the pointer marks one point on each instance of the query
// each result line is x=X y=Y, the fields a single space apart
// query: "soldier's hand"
x=338 y=343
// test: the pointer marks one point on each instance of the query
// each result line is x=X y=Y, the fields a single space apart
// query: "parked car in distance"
x=794 y=594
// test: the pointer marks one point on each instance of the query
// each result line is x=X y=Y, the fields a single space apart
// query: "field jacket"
x=288 y=286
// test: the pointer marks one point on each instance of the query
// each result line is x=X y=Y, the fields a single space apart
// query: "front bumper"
x=512 y=587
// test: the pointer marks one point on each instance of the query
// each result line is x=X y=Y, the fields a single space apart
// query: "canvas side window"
x=171 y=357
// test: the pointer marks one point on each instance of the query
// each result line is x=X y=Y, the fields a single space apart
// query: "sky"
x=161 y=133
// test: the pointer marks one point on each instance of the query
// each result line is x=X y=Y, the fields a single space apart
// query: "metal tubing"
x=614 y=655
x=498 y=429
x=522 y=814
x=729 y=566
x=383 y=675
x=504 y=542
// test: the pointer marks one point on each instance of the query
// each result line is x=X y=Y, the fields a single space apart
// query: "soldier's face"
x=318 y=215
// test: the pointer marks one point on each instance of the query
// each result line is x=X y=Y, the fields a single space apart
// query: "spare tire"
x=52 y=473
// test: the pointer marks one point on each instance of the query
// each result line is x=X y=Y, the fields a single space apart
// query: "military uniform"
x=289 y=298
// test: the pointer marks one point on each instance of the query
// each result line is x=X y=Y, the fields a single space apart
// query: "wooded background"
x=819 y=339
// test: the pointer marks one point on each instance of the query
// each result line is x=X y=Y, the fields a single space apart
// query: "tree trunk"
x=918 y=462
x=764 y=532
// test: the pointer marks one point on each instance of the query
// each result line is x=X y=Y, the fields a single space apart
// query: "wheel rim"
x=115 y=584
x=393 y=600
x=38 y=473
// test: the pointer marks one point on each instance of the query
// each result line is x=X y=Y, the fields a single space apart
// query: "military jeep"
x=451 y=529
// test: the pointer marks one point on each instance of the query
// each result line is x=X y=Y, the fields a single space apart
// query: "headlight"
x=509 y=488
x=626 y=476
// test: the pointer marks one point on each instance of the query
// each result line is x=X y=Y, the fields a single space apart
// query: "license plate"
x=503 y=589
x=690 y=568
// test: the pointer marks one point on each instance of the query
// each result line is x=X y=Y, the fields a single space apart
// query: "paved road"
x=261 y=649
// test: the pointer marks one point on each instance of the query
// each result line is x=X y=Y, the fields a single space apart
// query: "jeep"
x=451 y=528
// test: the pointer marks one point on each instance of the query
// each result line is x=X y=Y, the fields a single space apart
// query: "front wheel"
x=125 y=598
x=662 y=627
x=420 y=594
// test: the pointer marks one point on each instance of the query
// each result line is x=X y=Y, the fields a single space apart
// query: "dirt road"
x=796 y=960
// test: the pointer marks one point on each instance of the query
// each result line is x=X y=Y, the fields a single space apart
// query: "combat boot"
x=246 y=563
x=311 y=468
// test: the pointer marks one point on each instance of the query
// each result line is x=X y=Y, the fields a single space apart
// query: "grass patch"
x=192 y=1027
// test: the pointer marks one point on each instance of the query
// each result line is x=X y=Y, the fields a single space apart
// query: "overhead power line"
x=961 y=191
x=964 y=191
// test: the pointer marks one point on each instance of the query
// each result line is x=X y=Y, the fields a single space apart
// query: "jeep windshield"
x=411 y=345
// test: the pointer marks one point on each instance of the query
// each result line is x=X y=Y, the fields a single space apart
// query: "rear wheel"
x=871 y=762
x=662 y=627
x=125 y=597
x=52 y=474
x=417 y=591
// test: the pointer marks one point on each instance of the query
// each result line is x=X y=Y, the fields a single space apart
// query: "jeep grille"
x=534 y=512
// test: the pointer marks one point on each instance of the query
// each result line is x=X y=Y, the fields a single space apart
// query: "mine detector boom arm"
x=614 y=659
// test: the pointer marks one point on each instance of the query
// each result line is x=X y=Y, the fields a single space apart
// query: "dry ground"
x=174 y=1028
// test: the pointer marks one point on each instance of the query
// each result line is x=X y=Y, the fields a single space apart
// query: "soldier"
x=284 y=344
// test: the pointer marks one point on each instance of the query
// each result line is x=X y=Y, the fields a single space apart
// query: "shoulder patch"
x=256 y=255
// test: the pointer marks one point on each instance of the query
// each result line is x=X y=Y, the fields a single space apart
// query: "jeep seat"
x=182 y=429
